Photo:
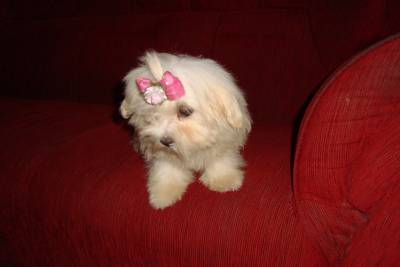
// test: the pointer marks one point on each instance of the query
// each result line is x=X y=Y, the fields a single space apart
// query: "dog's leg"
x=224 y=173
x=167 y=183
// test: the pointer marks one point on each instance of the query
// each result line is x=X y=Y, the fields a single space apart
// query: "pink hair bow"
x=169 y=87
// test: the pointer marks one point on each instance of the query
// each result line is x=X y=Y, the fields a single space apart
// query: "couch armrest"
x=357 y=107
x=376 y=191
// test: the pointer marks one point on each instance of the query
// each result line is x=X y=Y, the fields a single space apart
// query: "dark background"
x=280 y=51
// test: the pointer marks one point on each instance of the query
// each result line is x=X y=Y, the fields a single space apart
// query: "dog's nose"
x=166 y=141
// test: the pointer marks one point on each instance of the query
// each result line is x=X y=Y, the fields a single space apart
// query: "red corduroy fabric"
x=348 y=163
x=76 y=196
x=73 y=191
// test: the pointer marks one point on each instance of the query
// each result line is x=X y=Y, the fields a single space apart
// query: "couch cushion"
x=74 y=194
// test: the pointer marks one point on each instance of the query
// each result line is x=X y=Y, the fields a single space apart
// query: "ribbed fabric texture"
x=75 y=195
x=73 y=191
x=348 y=162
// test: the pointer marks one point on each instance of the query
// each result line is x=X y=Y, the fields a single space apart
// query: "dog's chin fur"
x=209 y=140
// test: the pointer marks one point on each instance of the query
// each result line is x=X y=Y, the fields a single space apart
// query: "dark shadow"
x=117 y=97
x=297 y=124
x=10 y=264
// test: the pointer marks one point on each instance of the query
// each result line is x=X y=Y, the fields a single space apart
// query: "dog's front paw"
x=223 y=182
x=167 y=183
x=165 y=195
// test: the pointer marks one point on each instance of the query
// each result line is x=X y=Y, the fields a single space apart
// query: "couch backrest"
x=279 y=50
x=347 y=154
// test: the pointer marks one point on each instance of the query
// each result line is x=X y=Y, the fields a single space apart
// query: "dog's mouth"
x=170 y=149
x=153 y=144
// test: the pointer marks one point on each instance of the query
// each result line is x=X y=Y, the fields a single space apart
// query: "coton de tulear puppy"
x=189 y=116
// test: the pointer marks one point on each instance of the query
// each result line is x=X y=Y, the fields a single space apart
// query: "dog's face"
x=175 y=127
x=211 y=113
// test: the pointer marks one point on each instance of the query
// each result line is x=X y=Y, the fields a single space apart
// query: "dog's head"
x=210 y=112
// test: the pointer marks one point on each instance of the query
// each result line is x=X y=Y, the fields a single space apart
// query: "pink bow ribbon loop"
x=171 y=88
x=143 y=84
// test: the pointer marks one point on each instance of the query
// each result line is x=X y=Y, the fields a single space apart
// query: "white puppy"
x=189 y=116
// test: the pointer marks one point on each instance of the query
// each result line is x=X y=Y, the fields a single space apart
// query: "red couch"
x=324 y=194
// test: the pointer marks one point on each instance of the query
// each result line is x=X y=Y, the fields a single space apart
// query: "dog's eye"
x=184 y=112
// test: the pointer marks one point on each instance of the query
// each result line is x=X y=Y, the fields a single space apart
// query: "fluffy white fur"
x=208 y=141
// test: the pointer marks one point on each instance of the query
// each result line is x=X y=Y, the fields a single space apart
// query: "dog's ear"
x=228 y=105
x=124 y=110
x=225 y=102
x=224 y=97
x=131 y=93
